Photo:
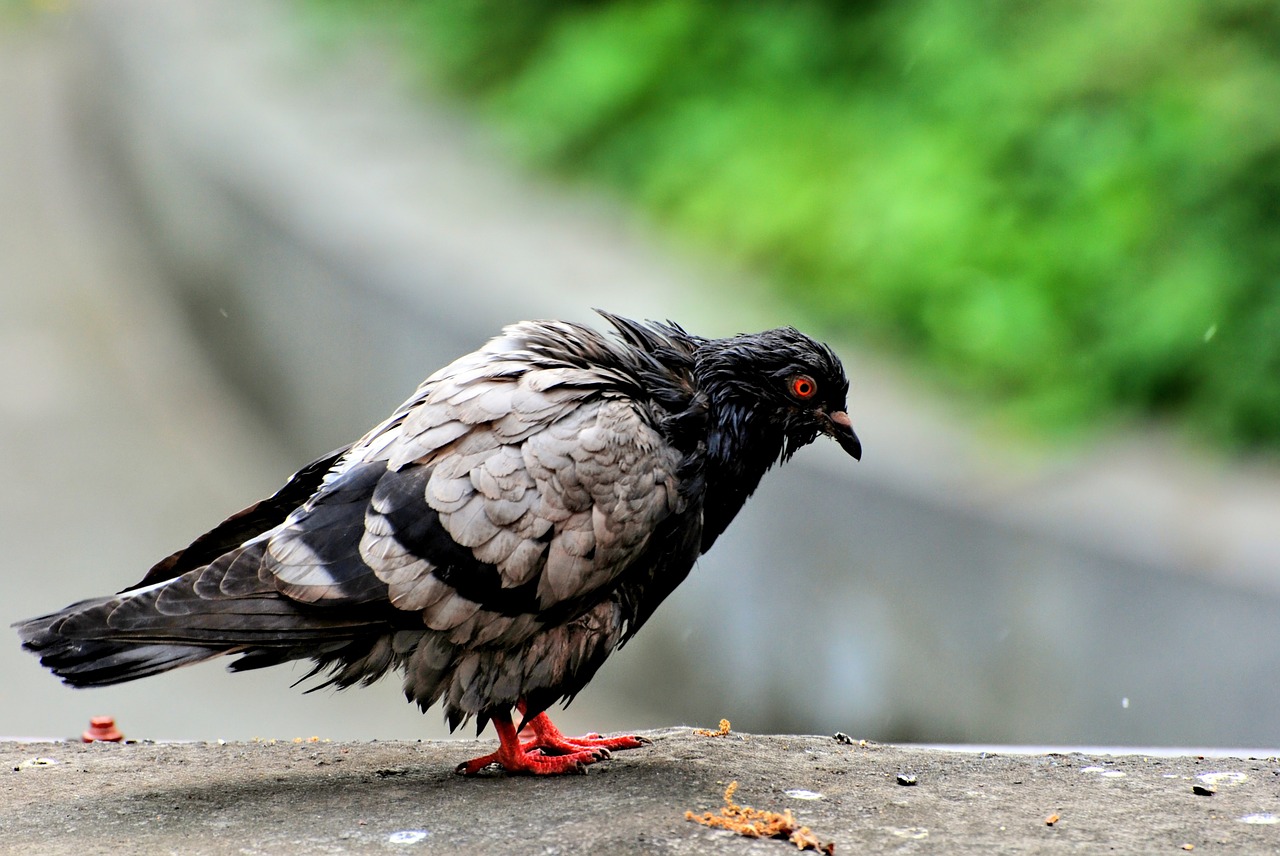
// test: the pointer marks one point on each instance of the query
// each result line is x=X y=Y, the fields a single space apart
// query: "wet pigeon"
x=509 y=526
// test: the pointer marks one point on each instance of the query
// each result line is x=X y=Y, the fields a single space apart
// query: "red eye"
x=804 y=387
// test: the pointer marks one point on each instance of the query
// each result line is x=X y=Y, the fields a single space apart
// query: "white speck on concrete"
x=1103 y=771
x=1218 y=779
x=911 y=833
x=36 y=762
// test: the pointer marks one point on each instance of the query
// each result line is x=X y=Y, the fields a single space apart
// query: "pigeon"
x=514 y=522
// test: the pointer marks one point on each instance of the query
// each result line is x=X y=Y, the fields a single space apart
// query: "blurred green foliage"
x=1073 y=207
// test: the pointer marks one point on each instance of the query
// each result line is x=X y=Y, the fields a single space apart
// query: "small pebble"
x=1203 y=790
x=841 y=737
x=907 y=778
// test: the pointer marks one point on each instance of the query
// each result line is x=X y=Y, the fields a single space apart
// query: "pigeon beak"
x=840 y=427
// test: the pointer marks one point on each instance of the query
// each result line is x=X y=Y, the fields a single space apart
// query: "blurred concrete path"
x=120 y=441
x=98 y=384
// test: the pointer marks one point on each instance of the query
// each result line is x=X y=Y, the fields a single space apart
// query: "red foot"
x=549 y=752
x=549 y=739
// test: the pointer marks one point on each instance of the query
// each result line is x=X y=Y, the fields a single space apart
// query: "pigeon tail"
x=97 y=661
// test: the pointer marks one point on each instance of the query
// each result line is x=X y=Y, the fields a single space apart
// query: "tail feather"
x=146 y=631
x=89 y=662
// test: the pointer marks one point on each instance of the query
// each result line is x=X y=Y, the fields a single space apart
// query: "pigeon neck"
x=741 y=446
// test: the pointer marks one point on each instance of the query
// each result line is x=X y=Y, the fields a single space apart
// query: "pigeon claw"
x=547 y=752
x=534 y=763
x=549 y=739
x=607 y=744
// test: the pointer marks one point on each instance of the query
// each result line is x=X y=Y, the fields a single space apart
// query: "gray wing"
x=498 y=501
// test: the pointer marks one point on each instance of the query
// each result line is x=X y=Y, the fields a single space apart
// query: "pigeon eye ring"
x=803 y=387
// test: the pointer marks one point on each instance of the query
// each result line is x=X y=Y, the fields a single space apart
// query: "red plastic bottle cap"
x=102 y=729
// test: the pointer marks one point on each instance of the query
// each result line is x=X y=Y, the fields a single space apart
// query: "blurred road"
x=102 y=394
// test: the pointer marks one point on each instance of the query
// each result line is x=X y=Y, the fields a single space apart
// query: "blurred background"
x=1045 y=239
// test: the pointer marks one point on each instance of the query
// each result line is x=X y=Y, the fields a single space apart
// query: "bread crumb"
x=755 y=823
x=722 y=732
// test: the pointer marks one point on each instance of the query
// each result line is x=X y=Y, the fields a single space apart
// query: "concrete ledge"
x=321 y=797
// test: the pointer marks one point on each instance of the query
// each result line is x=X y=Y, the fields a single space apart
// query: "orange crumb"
x=723 y=732
x=755 y=823
x=1051 y=820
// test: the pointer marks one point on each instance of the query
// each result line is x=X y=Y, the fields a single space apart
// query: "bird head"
x=793 y=383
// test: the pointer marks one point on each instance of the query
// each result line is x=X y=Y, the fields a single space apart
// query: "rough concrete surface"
x=322 y=797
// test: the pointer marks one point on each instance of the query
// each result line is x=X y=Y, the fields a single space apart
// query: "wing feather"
x=503 y=493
